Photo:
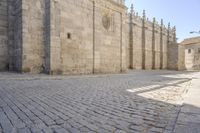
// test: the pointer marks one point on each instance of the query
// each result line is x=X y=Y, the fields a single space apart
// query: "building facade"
x=80 y=37
x=192 y=53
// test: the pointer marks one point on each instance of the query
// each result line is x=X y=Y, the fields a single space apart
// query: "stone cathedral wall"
x=15 y=34
x=26 y=35
x=87 y=37
x=63 y=36
x=157 y=47
x=149 y=43
x=33 y=35
x=81 y=37
x=165 y=43
x=71 y=36
x=3 y=35
x=173 y=49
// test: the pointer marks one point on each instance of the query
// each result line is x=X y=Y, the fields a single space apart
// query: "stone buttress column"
x=143 y=40
x=131 y=38
x=174 y=34
x=153 y=45
x=161 y=45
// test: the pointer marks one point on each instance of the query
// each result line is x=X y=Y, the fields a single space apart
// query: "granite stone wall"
x=81 y=37
x=26 y=35
x=15 y=34
x=3 y=35
x=33 y=35
x=148 y=45
x=182 y=56
x=148 y=42
x=173 y=52
x=136 y=43
x=173 y=57
x=192 y=56
x=165 y=44
x=190 y=50
x=87 y=37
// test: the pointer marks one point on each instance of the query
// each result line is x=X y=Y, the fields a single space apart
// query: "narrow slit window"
x=68 y=35
x=189 y=51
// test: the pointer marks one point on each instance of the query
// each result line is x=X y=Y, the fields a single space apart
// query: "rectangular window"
x=189 y=51
x=68 y=35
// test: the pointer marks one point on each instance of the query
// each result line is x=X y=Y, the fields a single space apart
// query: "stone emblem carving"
x=106 y=20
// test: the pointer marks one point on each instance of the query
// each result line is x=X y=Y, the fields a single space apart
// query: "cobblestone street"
x=136 y=102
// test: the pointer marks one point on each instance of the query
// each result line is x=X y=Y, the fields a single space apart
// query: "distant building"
x=192 y=53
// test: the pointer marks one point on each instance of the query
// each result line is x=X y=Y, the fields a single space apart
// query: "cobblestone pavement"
x=136 y=102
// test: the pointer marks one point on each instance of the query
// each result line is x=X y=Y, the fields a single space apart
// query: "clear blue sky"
x=184 y=14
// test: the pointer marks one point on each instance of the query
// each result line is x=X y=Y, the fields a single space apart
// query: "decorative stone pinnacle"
x=175 y=28
x=132 y=8
x=168 y=25
x=154 y=20
x=144 y=13
x=162 y=22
